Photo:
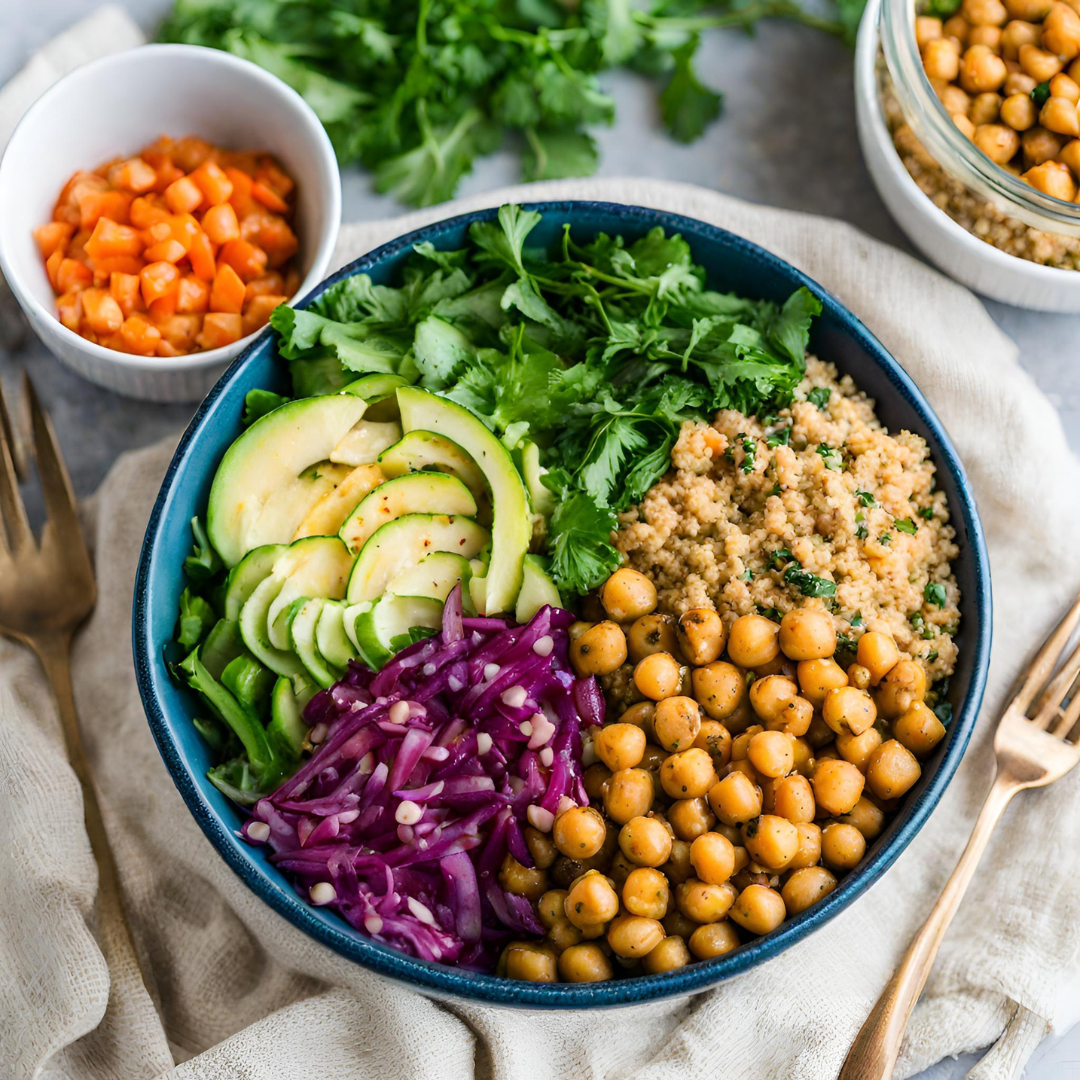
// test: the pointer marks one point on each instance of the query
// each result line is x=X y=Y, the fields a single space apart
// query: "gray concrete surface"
x=787 y=138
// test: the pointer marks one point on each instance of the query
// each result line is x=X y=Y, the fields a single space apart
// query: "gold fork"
x=46 y=591
x=1036 y=743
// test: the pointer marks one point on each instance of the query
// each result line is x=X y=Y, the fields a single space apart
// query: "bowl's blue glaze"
x=732 y=264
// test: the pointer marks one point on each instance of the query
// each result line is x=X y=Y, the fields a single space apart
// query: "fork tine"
x=55 y=482
x=1057 y=692
x=12 y=510
x=1043 y=665
x=1067 y=710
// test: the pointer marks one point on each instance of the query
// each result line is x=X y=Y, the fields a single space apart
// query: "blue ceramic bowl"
x=732 y=264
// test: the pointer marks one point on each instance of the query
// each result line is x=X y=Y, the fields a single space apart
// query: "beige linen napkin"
x=239 y=993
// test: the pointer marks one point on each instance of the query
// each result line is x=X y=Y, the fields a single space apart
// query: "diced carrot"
x=139 y=336
x=72 y=275
x=80 y=184
x=278 y=241
x=220 y=223
x=157 y=280
x=101 y=312
x=133 y=175
x=272 y=175
x=69 y=309
x=292 y=282
x=211 y=180
x=241 y=198
x=191 y=151
x=169 y=250
x=269 y=197
x=271 y=282
x=192 y=294
x=244 y=257
x=181 y=330
x=105 y=166
x=109 y=238
x=227 y=291
x=85 y=332
x=112 y=341
x=183 y=195
x=201 y=253
x=162 y=309
x=167 y=175
x=184 y=228
x=161 y=147
x=164 y=349
x=257 y=311
x=124 y=289
x=76 y=249
x=147 y=210
x=54 y=236
x=246 y=161
x=220 y=329
x=52 y=266
x=114 y=205
x=115 y=264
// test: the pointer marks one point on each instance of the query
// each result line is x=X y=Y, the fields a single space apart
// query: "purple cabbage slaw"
x=429 y=886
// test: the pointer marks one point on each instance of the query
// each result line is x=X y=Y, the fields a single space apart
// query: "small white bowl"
x=116 y=105
x=971 y=261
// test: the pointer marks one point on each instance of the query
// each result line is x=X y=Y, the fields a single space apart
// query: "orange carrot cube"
x=147 y=210
x=271 y=282
x=139 y=336
x=124 y=289
x=211 y=180
x=220 y=329
x=201 y=254
x=115 y=264
x=164 y=349
x=257 y=311
x=163 y=309
x=101 y=313
x=133 y=175
x=272 y=175
x=114 y=205
x=54 y=236
x=183 y=195
x=110 y=238
x=192 y=295
x=80 y=184
x=268 y=197
x=76 y=249
x=72 y=276
x=220 y=223
x=278 y=241
x=52 y=266
x=241 y=199
x=169 y=250
x=190 y=152
x=69 y=309
x=180 y=331
x=157 y=280
x=167 y=175
x=244 y=257
x=227 y=291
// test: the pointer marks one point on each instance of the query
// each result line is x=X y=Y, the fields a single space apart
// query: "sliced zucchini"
x=327 y=515
x=384 y=629
x=302 y=624
x=223 y=644
x=246 y=575
x=426 y=450
x=434 y=576
x=315 y=566
x=348 y=620
x=330 y=636
x=537 y=589
x=254 y=628
x=365 y=442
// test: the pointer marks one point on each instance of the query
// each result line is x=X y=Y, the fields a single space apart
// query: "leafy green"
x=935 y=593
x=204 y=562
x=1041 y=94
x=258 y=403
x=819 y=396
x=906 y=525
x=196 y=619
x=687 y=106
x=809 y=584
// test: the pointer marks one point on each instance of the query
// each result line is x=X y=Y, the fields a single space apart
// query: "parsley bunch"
x=595 y=351
x=418 y=89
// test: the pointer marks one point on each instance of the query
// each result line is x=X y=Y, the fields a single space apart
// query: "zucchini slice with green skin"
x=383 y=629
x=287 y=731
x=537 y=589
x=420 y=450
x=314 y=566
x=255 y=630
x=246 y=575
x=378 y=391
x=223 y=644
x=435 y=575
x=364 y=443
x=302 y=624
x=330 y=636
x=348 y=620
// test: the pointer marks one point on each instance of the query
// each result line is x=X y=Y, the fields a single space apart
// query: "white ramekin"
x=971 y=261
x=116 y=105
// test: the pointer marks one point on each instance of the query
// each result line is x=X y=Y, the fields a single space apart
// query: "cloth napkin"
x=233 y=991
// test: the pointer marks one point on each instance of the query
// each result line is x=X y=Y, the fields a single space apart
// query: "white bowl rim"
x=866 y=85
x=320 y=257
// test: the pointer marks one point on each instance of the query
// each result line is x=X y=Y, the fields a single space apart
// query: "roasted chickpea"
x=619 y=746
x=658 y=676
x=677 y=924
x=795 y=718
x=758 y=909
x=805 y=888
x=997 y=141
x=927 y=27
x=670 y=955
x=892 y=770
x=528 y=962
x=645 y=842
x=877 y=652
x=550 y=908
x=1053 y=178
x=678 y=867
x=837 y=786
x=735 y=799
x=794 y=799
x=1017 y=32
x=701 y=635
x=804 y=756
x=716 y=740
x=688 y=774
x=599 y=650
x=676 y=722
x=808 y=852
x=985 y=109
x=753 y=641
x=807 y=634
x=956 y=27
x=578 y=628
x=627 y=595
x=859 y=677
x=713 y=858
x=1040 y=64
x=968 y=129
x=842 y=846
x=586 y=963
x=770 y=695
x=984 y=12
x=541 y=848
x=849 y=709
x=1070 y=153
x=621 y=868
x=772 y=753
x=651 y=634
x=563 y=934
x=522 y=880
x=1018 y=83
x=689 y=818
x=1064 y=86
x=719 y=688
x=1061 y=32
x=858 y=748
x=591 y=900
x=702 y=902
x=818 y=677
x=632 y=937
x=629 y=794
x=640 y=715
x=741 y=718
x=941 y=59
x=981 y=69
x=867 y=818
x=646 y=893
x=986 y=35
x=713 y=939
x=740 y=745
x=919 y=729
x=900 y=689
x=1059 y=115
x=1040 y=145
x=595 y=779
x=579 y=832
x=771 y=841
x=1031 y=10
x=954 y=99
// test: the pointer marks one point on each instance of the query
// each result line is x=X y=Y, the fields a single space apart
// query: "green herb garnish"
x=927 y=512
x=832 y=457
x=1041 y=94
x=864 y=498
x=934 y=593
x=809 y=584
x=819 y=396
x=906 y=525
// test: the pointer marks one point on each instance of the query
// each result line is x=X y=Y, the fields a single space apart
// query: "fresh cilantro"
x=204 y=562
x=776 y=488
x=846 y=641
x=921 y=626
x=927 y=512
x=943 y=711
x=906 y=525
x=579 y=536
x=865 y=498
x=686 y=105
x=861 y=532
x=411 y=637
x=809 y=584
x=819 y=396
x=885 y=539
x=747 y=575
x=1041 y=94
x=749 y=447
x=258 y=403
x=932 y=656
x=771 y=613
x=934 y=593
x=832 y=457
x=779 y=559
x=856 y=619
x=943 y=9
x=196 y=618
x=779 y=438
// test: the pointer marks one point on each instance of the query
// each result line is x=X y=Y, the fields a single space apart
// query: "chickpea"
x=772 y=753
x=892 y=770
x=586 y=963
x=677 y=924
x=753 y=641
x=1053 y=177
x=958 y=28
x=1040 y=64
x=1039 y=145
x=808 y=852
x=954 y=99
x=627 y=595
x=771 y=841
x=595 y=779
x=867 y=818
x=678 y=867
x=719 y=688
x=1064 y=86
x=641 y=716
x=818 y=677
x=579 y=832
x=968 y=130
x=629 y=794
x=877 y=652
x=805 y=888
x=713 y=858
x=702 y=902
x=842 y=846
x=1018 y=83
x=984 y=109
x=926 y=29
x=1018 y=111
x=858 y=748
x=645 y=842
x=901 y=688
x=859 y=676
x=741 y=718
x=658 y=676
x=621 y=868
x=981 y=70
x=1070 y=155
x=1017 y=33
x=794 y=799
x=1030 y=10
x=599 y=650
x=690 y=818
x=807 y=634
x=541 y=848
x=997 y=141
x=716 y=740
x=563 y=934
x=990 y=36
x=849 y=709
x=941 y=59
x=646 y=893
x=758 y=909
x=632 y=937
x=651 y=634
x=522 y=880
x=713 y=939
x=550 y=907
x=676 y=722
x=735 y=799
x=1061 y=32
x=984 y=12
x=670 y=955
x=1059 y=115
x=619 y=746
x=919 y=729
x=578 y=628
x=770 y=695
x=530 y=963
x=701 y=635
x=804 y=756
x=591 y=900
x=688 y=774
x=651 y=761
x=837 y=786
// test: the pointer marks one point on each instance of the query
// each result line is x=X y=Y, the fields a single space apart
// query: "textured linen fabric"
x=239 y=993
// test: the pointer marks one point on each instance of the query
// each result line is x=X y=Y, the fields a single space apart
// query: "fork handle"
x=874 y=1052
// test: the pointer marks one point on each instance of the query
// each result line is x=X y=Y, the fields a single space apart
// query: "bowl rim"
x=326 y=164
x=445 y=980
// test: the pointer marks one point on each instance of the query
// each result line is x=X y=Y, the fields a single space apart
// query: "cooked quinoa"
x=739 y=525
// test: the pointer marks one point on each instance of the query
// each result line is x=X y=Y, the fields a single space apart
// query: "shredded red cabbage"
x=402 y=816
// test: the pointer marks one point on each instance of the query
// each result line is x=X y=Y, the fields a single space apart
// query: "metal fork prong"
x=1043 y=665
x=1068 y=711
x=55 y=482
x=1052 y=699
x=19 y=535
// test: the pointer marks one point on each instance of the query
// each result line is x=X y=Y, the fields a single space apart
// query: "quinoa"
x=836 y=497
